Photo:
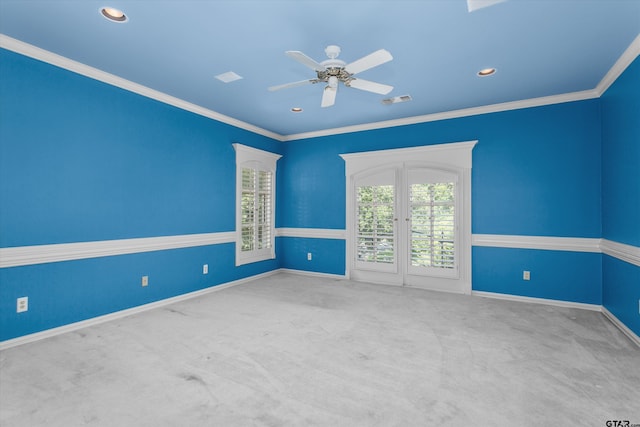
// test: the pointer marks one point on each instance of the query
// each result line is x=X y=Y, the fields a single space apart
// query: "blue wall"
x=81 y=160
x=557 y=275
x=621 y=192
x=328 y=255
x=535 y=172
x=84 y=161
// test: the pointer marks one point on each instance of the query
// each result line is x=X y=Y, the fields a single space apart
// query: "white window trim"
x=452 y=156
x=260 y=160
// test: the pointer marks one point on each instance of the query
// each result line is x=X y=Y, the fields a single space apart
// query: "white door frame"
x=453 y=157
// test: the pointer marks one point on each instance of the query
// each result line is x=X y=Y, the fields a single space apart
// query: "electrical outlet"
x=22 y=304
x=205 y=269
x=309 y=256
x=526 y=275
x=145 y=280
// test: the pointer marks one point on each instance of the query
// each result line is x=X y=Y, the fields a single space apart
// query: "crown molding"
x=629 y=55
x=51 y=58
x=618 y=68
x=454 y=114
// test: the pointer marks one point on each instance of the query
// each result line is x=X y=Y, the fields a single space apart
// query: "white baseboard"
x=625 y=330
x=124 y=313
x=312 y=273
x=557 y=303
x=157 y=304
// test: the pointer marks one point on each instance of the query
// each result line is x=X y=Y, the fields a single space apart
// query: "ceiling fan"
x=333 y=70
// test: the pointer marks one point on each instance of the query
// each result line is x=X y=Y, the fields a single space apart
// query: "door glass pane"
x=432 y=234
x=375 y=224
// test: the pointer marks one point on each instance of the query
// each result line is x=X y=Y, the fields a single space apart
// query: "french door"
x=408 y=219
x=405 y=227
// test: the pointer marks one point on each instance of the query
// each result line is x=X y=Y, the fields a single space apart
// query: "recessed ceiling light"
x=486 y=72
x=114 y=15
x=296 y=110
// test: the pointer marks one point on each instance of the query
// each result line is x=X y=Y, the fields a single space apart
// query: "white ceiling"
x=539 y=47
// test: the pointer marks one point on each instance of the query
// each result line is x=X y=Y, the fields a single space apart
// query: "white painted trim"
x=245 y=153
x=453 y=157
x=41 y=254
x=312 y=233
x=624 y=328
x=629 y=55
x=26 y=49
x=312 y=273
x=627 y=253
x=258 y=160
x=518 y=298
x=31 y=51
x=573 y=244
x=454 y=114
x=25 y=339
x=51 y=58
x=454 y=154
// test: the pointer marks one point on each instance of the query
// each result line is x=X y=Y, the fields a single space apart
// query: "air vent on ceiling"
x=396 y=99
x=473 y=5
x=228 y=77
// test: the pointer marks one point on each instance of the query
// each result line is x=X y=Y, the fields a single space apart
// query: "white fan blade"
x=305 y=60
x=329 y=96
x=370 y=86
x=294 y=84
x=372 y=60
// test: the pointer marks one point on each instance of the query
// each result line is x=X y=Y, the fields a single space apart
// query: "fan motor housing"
x=338 y=72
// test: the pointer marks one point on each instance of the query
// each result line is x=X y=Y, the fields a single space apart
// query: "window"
x=433 y=225
x=375 y=228
x=255 y=204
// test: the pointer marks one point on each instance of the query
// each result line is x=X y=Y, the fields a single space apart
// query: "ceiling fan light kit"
x=333 y=70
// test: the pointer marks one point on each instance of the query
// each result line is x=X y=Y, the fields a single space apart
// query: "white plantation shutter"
x=376 y=239
x=375 y=234
x=255 y=211
x=248 y=209
x=263 y=209
x=432 y=215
